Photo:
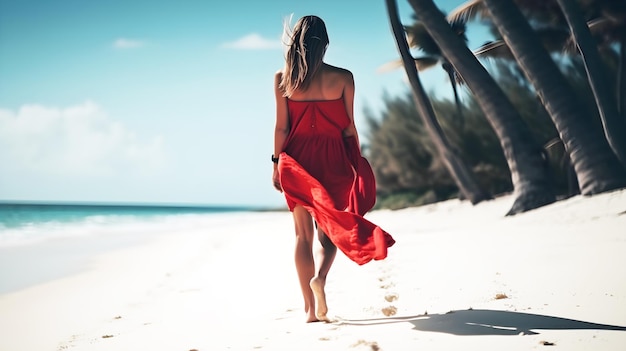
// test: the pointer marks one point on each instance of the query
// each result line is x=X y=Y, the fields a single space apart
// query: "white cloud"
x=78 y=140
x=253 y=41
x=125 y=43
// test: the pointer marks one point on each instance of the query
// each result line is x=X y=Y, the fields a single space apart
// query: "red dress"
x=326 y=174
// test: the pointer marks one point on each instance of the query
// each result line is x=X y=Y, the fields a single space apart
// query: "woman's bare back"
x=329 y=83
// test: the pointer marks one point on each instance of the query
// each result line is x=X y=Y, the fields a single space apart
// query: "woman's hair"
x=306 y=46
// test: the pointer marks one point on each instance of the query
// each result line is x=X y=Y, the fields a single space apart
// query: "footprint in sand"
x=389 y=311
x=391 y=297
x=366 y=345
x=501 y=296
x=384 y=282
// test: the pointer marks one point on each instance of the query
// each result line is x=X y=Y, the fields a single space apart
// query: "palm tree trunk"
x=614 y=126
x=459 y=171
x=457 y=100
x=530 y=174
x=597 y=167
x=621 y=80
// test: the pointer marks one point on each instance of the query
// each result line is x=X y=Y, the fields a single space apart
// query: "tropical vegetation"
x=544 y=119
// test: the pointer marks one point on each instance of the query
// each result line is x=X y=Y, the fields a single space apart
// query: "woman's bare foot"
x=310 y=317
x=317 y=285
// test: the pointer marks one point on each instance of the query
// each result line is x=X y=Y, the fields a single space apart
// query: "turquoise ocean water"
x=43 y=242
x=23 y=223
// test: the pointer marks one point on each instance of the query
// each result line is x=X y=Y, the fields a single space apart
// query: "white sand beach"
x=460 y=277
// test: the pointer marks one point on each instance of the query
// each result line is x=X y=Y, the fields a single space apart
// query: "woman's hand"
x=276 y=180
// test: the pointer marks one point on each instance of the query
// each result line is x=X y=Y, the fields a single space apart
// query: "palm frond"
x=471 y=10
x=494 y=49
x=553 y=39
x=421 y=63
x=418 y=37
x=424 y=63
x=607 y=30
x=389 y=66
x=599 y=24
x=459 y=27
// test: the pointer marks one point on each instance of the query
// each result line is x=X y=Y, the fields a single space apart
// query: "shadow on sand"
x=487 y=322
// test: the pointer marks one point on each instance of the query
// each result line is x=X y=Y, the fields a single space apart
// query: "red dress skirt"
x=326 y=174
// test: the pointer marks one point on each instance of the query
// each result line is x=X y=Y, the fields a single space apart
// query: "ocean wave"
x=28 y=233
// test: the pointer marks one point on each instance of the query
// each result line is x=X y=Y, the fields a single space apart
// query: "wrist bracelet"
x=274 y=159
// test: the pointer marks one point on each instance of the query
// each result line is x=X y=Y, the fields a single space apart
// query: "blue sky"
x=163 y=101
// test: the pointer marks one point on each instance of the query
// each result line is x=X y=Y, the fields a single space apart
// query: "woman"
x=318 y=164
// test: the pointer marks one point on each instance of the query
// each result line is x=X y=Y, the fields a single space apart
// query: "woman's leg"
x=326 y=256
x=305 y=265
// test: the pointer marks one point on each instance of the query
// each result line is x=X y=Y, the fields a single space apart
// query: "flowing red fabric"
x=327 y=175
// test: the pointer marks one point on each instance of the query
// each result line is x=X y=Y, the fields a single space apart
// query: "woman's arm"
x=281 y=129
x=348 y=97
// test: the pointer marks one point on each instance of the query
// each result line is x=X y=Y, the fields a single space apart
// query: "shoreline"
x=459 y=276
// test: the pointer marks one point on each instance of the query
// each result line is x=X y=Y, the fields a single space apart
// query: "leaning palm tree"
x=458 y=170
x=530 y=175
x=419 y=38
x=597 y=167
x=611 y=32
x=614 y=126
x=606 y=20
x=562 y=28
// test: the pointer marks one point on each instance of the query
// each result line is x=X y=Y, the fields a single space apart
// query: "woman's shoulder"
x=338 y=76
x=278 y=78
x=278 y=75
x=339 y=71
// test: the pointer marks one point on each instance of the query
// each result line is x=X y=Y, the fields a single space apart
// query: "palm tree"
x=529 y=174
x=402 y=154
x=606 y=20
x=611 y=30
x=458 y=170
x=614 y=126
x=419 y=38
x=554 y=21
x=597 y=167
